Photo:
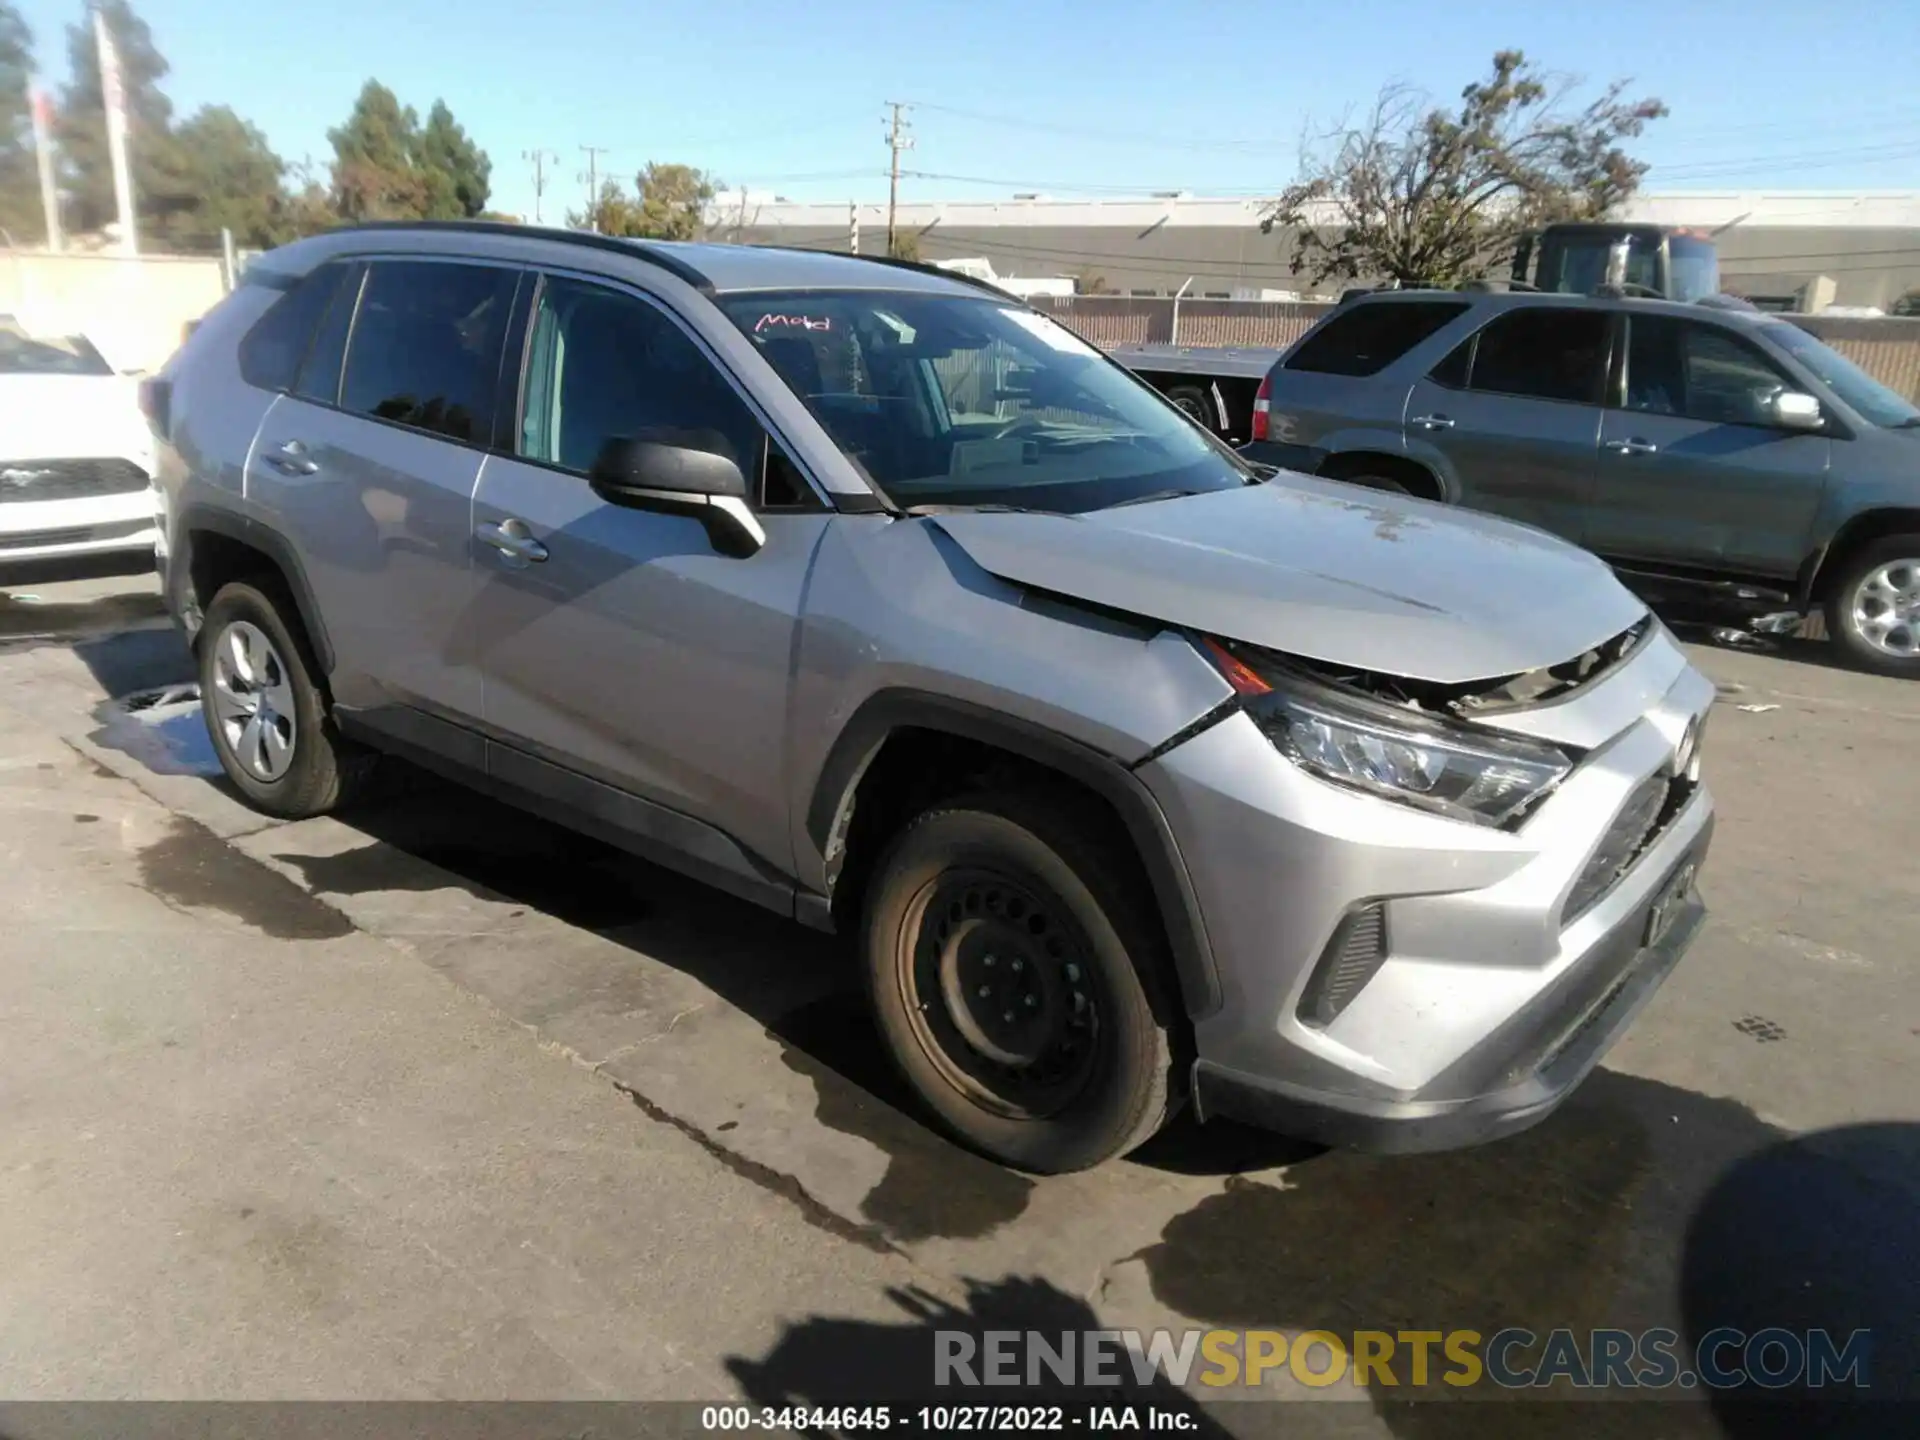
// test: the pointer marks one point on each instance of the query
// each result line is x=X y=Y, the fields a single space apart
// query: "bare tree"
x=1419 y=194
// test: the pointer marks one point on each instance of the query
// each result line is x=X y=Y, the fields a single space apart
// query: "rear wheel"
x=1196 y=402
x=265 y=712
x=1873 y=608
x=1016 y=980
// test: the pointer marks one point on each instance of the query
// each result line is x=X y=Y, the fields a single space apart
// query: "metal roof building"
x=1866 y=244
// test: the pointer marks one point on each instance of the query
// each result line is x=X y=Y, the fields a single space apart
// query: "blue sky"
x=1112 y=97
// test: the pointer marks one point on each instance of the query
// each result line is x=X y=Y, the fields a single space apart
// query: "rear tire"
x=1017 y=981
x=266 y=714
x=1196 y=402
x=1873 y=607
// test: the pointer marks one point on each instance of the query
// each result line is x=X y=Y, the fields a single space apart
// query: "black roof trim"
x=633 y=249
x=919 y=267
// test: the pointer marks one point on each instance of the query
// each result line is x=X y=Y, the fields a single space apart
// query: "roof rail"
x=919 y=266
x=633 y=248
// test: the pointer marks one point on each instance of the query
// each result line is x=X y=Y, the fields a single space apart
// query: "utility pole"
x=42 y=108
x=853 y=227
x=113 y=91
x=897 y=140
x=594 y=152
x=538 y=159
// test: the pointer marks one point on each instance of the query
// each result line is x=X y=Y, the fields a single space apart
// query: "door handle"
x=1432 y=422
x=1634 y=446
x=512 y=539
x=292 y=458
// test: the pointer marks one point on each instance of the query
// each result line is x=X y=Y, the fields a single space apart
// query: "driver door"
x=1693 y=472
x=618 y=644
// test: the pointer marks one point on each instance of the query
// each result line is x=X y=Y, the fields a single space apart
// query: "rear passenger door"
x=1512 y=416
x=1693 y=471
x=370 y=466
x=623 y=655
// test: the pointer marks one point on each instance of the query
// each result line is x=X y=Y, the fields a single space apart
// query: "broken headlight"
x=1393 y=751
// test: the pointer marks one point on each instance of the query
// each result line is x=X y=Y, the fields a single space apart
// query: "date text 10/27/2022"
x=959 y=1419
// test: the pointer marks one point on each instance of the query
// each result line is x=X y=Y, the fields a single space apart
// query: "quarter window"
x=1546 y=353
x=1368 y=338
x=271 y=352
x=425 y=351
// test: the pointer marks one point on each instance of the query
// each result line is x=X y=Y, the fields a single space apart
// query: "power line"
x=1087 y=132
x=1144 y=192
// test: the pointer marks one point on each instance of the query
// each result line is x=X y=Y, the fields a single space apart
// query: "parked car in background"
x=871 y=595
x=76 y=455
x=1718 y=450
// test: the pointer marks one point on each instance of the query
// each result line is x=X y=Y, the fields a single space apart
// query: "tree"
x=20 y=215
x=611 y=213
x=1419 y=194
x=458 y=172
x=673 y=201
x=906 y=245
x=374 y=177
x=236 y=183
x=1091 y=282
x=159 y=187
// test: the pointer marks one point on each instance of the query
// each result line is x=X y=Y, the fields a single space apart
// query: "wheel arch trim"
x=245 y=530
x=888 y=712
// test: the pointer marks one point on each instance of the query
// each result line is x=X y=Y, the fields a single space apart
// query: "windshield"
x=64 y=355
x=952 y=400
x=1847 y=380
x=1696 y=267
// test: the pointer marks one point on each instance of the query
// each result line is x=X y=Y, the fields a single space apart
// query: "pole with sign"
x=113 y=90
x=41 y=105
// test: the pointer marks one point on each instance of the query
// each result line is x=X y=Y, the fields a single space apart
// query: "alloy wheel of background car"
x=267 y=716
x=252 y=701
x=1886 y=608
x=1873 y=606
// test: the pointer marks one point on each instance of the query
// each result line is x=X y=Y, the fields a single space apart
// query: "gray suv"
x=1703 y=449
x=1138 y=777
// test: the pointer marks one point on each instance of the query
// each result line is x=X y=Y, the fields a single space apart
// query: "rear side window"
x=319 y=377
x=426 y=342
x=1368 y=338
x=271 y=352
x=1544 y=354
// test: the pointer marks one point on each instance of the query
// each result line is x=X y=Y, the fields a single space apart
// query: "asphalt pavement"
x=436 y=1101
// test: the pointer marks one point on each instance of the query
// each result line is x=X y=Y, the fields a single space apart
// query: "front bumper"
x=41 y=532
x=1491 y=998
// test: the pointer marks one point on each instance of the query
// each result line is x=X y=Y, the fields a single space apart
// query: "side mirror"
x=1793 y=410
x=680 y=472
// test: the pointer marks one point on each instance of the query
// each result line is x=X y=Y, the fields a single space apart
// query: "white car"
x=76 y=457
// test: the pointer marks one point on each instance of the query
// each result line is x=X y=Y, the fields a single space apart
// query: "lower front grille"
x=30 y=480
x=71 y=535
x=1645 y=814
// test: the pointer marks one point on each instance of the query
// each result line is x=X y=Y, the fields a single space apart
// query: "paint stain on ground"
x=932 y=1188
x=163 y=728
x=191 y=868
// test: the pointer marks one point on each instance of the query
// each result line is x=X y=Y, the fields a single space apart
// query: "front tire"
x=265 y=712
x=1017 y=980
x=1873 y=608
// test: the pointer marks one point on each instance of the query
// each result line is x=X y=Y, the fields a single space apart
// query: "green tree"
x=457 y=171
x=235 y=180
x=374 y=175
x=611 y=213
x=159 y=185
x=906 y=245
x=20 y=215
x=673 y=201
x=1421 y=194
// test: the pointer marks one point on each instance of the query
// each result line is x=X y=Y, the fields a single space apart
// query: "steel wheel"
x=1000 y=993
x=252 y=701
x=1886 y=608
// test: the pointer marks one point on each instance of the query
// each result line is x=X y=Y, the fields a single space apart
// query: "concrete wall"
x=134 y=310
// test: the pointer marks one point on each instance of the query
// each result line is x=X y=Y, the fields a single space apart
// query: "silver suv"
x=1140 y=777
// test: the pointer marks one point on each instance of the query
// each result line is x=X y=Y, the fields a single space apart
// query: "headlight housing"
x=1463 y=772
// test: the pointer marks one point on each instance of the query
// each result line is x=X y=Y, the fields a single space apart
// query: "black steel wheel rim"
x=1000 y=992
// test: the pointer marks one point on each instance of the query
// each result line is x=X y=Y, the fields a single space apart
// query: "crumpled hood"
x=1325 y=571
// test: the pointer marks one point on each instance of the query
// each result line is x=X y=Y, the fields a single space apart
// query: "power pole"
x=42 y=108
x=113 y=91
x=853 y=227
x=897 y=140
x=538 y=159
x=594 y=152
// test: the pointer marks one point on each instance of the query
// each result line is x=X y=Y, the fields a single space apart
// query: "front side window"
x=1368 y=338
x=1858 y=389
x=1545 y=353
x=1699 y=372
x=961 y=400
x=425 y=350
x=605 y=365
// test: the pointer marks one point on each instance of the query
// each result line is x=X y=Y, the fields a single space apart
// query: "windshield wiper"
x=951 y=508
x=1912 y=422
